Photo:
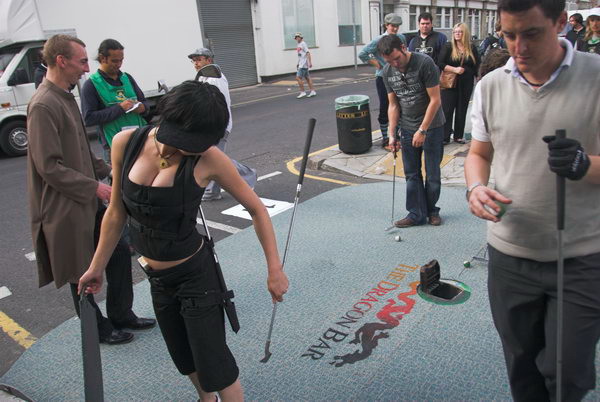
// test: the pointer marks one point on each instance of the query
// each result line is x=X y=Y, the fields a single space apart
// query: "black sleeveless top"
x=162 y=220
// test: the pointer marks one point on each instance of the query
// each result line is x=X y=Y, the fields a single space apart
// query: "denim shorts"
x=302 y=73
x=191 y=318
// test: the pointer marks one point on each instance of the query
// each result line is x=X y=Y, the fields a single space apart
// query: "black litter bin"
x=353 y=123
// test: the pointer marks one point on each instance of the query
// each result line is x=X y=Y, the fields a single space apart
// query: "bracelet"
x=424 y=132
x=471 y=188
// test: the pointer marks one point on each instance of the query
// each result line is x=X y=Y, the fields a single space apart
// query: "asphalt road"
x=269 y=130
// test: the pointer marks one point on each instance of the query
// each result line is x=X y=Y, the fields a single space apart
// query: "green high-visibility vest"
x=111 y=95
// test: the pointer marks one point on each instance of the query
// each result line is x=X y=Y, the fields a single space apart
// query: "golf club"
x=393 y=190
x=210 y=70
x=560 y=214
x=309 y=135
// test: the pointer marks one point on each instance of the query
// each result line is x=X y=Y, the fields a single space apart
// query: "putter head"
x=267 y=353
x=162 y=86
x=390 y=228
x=210 y=71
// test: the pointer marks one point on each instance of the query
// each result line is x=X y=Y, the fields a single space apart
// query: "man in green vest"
x=111 y=98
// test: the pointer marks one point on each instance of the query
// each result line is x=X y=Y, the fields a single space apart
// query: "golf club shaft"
x=394 y=186
x=560 y=213
x=309 y=135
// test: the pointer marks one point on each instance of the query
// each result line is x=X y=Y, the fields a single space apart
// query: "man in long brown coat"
x=65 y=193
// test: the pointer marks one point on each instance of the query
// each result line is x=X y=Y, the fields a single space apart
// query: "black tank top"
x=162 y=219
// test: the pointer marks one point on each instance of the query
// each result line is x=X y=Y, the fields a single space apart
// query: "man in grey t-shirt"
x=412 y=83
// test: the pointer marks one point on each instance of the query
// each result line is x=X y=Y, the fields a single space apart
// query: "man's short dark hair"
x=425 y=16
x=551 y=8
x=59 y=45
x=196 y=107
x=388 y=43
x=578 y=18
x=106 y=45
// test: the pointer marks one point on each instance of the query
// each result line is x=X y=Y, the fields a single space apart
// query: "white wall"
x=273 y=59
x=157 y=36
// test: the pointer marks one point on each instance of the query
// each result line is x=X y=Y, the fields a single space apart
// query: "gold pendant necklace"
x=163 y=163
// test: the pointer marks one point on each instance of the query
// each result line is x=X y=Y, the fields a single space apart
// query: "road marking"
x=219 y=226
x=290 y=94
x=274 y=207
x=293 y=170
x=4 y=292
x=16 y=332
x=30 y=256
x=268 y=175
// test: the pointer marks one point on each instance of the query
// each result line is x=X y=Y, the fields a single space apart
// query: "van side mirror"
x=19 y=77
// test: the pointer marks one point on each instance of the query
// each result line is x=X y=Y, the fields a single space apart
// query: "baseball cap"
x=298 y=34
x=202 y=52
x=392 y=19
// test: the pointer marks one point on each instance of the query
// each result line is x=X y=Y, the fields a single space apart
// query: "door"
x=24 y=73
x=228 y=31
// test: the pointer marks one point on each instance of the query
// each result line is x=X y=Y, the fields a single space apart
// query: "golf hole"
x=440 y=291
x=448 y=292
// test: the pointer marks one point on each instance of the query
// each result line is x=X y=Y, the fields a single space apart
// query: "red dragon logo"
x=369 y=334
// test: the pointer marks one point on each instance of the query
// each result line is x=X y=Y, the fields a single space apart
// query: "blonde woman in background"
x=459 y=56
x=591 y=41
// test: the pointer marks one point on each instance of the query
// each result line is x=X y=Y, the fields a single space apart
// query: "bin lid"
x=351 y=100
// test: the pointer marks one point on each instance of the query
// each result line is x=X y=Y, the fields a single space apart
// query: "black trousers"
x=523 y=301
x=189 y=309
x=455 y=102
x=119 y=286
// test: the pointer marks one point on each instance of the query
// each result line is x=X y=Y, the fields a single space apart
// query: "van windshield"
x=6 y=55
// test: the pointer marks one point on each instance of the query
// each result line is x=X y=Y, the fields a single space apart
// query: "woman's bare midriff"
x=160 y=265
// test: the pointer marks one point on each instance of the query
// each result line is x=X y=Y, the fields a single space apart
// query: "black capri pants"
x=189 y=311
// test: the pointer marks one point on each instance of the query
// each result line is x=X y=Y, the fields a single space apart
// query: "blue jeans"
x=382 y=118
x=422 y=197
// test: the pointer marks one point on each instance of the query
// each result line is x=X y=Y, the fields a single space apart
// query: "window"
x=443 y=17
x=298 y=17
x=345 y=22
x=460 y=16
x=491 y=22
x=25 y=70
x=414 y=12
x=474 y=22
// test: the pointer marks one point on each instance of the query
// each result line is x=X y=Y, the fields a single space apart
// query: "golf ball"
x=467 y=264
x=398 y=238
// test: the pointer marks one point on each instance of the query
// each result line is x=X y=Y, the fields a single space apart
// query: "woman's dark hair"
x=494 y=59
x=425 y=16
x=551 y=8
x=106 y=45
x=196 y=107
x=388 y=43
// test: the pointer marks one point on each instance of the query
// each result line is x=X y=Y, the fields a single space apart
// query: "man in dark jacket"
x=427 y=41
x=111 y=98
x=495 y=41
x=578 y=31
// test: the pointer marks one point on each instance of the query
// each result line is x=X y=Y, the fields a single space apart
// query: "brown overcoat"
x=62 y=182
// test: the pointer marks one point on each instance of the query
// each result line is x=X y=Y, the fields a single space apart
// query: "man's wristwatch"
x=471 y=188
x=424 y=132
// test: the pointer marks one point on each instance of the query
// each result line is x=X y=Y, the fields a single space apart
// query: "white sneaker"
x=311 y=94
x=302 y=95
x=211 y=196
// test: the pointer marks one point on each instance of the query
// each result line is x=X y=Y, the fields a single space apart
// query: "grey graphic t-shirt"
x=411 y=90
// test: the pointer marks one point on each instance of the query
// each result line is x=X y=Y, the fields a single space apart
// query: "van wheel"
x=13 y=138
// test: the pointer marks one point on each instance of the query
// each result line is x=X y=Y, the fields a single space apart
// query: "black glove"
x=566 y=157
